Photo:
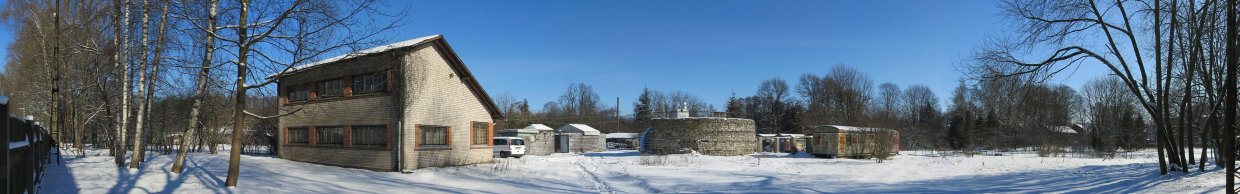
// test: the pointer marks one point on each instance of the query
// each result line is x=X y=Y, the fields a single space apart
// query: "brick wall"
x=422 y=82
x=369 y=109
x=437 y=95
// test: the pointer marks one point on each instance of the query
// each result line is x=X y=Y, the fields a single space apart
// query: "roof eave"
x=471 y=82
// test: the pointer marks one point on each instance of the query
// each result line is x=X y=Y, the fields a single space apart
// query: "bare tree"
x=1230 y=99
x=921 y=111
x=1058 y=23
x=888 y=106
x=302 y=29
x=773 y=98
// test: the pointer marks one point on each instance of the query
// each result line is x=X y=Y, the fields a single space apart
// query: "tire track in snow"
x=593 y=178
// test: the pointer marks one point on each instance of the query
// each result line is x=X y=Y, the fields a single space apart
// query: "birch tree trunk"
x=199 y=90
x=145 y=107
x=135 y=159
x=121 y=59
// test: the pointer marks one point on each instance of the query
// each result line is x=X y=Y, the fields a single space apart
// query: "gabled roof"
x=841 y=128
x=579 y=128
x=539 y=127
x=1064 y=129
x=364 y=52
x=441 y=45
x=519 y=131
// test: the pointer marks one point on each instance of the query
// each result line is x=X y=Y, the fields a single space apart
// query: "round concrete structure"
x=706 y=135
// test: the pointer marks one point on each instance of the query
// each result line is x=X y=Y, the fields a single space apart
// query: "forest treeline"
x=153 y=76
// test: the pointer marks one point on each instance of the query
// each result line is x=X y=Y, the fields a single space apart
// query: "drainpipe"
x=400 y=148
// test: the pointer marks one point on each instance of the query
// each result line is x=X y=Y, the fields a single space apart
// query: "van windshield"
x=518 y=142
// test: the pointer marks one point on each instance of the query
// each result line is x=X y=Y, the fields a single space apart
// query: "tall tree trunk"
x=1163 y=82
x=145 y=107
x=234 y=162
x=135 y=159
x=1171 y=36
x=121 y=58
x=1229 y=98
x=199 y=90
x=57 y=120
x=1158 y=136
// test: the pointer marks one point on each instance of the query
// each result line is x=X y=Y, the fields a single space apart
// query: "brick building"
x=402 y=106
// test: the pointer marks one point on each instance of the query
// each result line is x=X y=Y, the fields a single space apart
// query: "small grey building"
x=539 y=139
x=579 y=138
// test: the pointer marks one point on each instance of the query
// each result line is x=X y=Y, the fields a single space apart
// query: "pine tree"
x=734 y=106
x=641 y=109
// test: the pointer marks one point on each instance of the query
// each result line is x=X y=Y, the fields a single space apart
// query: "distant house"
x=1072 y=135
x=847 y=141
x=539 y=139
x=579 y=138
x=402 y=106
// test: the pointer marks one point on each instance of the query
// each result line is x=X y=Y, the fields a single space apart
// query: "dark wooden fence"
x=25 y=155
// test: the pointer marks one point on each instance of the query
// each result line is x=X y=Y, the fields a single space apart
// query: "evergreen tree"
x=734 y=106
x=642 y=110
x=954 y=130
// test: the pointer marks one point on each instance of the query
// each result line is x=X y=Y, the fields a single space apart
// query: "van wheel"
x=503 y=154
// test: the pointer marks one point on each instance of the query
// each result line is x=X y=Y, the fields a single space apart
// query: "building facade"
x=402 y=106
x=579 y=138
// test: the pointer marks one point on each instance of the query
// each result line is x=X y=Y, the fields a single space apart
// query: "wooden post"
x=4 y=135
x=27 y=166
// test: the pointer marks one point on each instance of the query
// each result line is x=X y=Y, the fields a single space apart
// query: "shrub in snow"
x=652 y=160
x=501 y=166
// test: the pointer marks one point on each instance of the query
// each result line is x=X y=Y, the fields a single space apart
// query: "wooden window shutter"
x=348 y=135
x=311 y=138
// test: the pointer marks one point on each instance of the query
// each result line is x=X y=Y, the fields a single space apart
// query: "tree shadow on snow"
x=126 y=181
x=58 y=178
x=1088 y=179
x=625 y=153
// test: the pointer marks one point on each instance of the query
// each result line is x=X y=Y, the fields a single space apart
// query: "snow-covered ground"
x=628 y=172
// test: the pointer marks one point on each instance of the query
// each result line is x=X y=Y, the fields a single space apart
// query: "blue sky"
x=534 y=49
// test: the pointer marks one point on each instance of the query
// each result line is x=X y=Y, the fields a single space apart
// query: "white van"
x=509 y=146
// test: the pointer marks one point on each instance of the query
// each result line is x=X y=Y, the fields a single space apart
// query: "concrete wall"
x=578 y=143
x=437 y=95
x=709 y=136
